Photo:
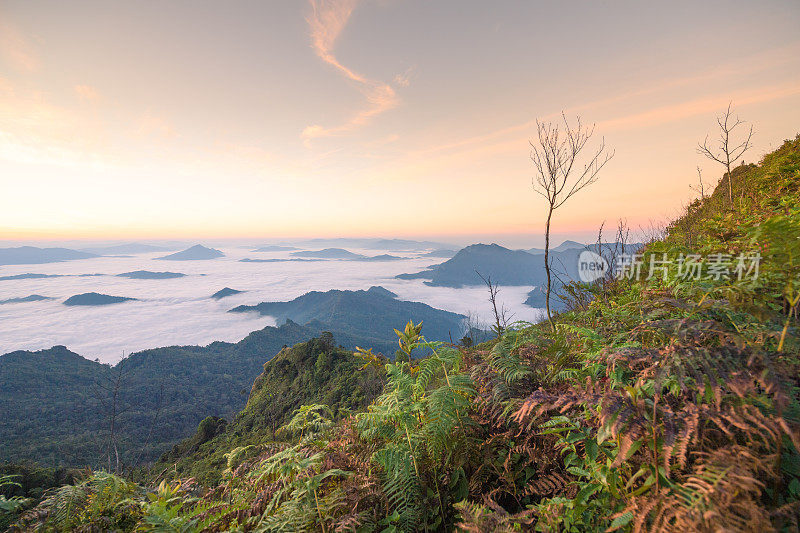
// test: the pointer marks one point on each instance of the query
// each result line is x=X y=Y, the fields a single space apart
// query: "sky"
x=333 y=118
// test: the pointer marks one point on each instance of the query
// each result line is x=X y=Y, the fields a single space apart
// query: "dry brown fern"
x=722 y=493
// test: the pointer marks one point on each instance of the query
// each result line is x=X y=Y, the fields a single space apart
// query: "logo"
x=591 y=266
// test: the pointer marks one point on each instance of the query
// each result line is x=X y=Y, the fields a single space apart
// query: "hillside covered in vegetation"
x=57 y=407
x=666 y=401
x=315 y=371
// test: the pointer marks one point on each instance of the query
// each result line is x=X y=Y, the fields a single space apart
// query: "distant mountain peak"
x=504 y=266
x=24 y=299
x=328 y=253
x=377 y=289
x=95 y=298
x=197 y=252
x=147 y=274
x=482 y=246
x=227 y=291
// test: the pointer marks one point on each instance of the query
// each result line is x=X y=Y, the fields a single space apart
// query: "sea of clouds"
x=179 y=311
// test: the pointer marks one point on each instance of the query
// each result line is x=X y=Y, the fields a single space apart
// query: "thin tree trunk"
x=547 y=266
x=494 y=308
x=730 y=184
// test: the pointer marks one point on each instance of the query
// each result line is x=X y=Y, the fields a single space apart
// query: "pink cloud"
x=327 y=20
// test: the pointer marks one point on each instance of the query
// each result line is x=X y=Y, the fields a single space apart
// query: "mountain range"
x=327 y=253
x=276 y=248
x=30 y=255
x=333 y=253
x=381 y=257
x=510 y=267
x=23 y=299
x=28 y=276
x=147 y=274
x=564 y=246
x=278 y=260
x=504 y=266
x=374 y=244
x=369 y=314
x=443 y=253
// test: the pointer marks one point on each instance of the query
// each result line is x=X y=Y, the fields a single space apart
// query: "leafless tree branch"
x=559 y=175
x=501 y=315
x=726 y=151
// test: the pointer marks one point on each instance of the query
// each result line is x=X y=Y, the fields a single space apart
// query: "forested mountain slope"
x=314 y=371
x=56 y=406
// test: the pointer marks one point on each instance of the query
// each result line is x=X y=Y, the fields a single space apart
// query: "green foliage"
x=31 y=480
x=308 y=421
x=11 y=507
x=170 y=509
x=420 y=425
x=293 y=378
x=101 y=501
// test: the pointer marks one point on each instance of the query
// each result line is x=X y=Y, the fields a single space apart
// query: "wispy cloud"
x=16 y=50
x=327 y=20
x=746 y=67
x=702 y=106
x=404 y=79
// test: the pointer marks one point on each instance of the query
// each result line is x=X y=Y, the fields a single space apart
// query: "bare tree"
x=623 y=236
x=501 y=316
x=727 y=151
x=700 y=188
x=556 y=155
x=604 y=251
x=619 y=251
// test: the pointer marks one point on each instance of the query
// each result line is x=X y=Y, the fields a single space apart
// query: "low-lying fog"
x=179 y=311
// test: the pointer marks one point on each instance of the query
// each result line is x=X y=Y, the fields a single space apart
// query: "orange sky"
x=367 y=118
